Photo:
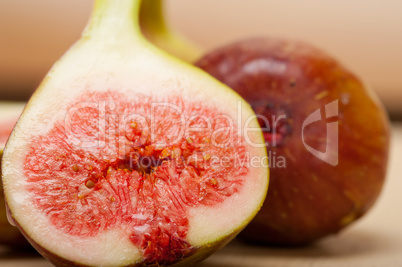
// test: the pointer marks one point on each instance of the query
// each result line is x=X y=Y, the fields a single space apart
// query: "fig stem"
x=157 y=31
x=152 y=17
x=114 y=21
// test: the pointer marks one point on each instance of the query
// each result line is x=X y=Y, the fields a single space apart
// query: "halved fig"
x=125 y=156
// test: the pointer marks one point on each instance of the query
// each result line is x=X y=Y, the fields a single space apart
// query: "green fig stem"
x=154 y=28
x=152 y=17
x=114 y=20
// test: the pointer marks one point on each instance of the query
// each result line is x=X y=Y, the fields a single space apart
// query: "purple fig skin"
x=286 y=81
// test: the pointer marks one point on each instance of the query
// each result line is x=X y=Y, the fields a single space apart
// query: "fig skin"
x=308 y=198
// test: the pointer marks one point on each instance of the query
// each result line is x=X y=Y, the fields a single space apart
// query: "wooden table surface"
x=376 y=240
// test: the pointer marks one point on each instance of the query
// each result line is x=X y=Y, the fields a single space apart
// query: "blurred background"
x=366 y=35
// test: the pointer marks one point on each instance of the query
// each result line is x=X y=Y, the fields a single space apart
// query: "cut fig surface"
x=142 y=186
x=125 y=156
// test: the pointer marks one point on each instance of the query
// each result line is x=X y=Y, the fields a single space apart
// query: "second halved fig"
x=9 y=113
x=125 y=156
